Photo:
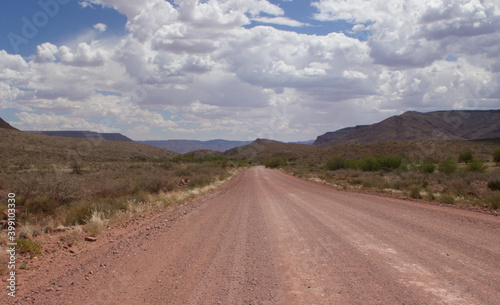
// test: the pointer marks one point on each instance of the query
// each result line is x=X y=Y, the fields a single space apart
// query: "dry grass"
x=96 y=223
x=112 y=179
x=4 y=259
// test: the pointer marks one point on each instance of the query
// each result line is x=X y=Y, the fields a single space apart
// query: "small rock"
x=50 y=289
x=61 y=228
x=90 y=238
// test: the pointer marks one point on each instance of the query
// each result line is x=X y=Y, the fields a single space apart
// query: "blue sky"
x=286 y=70
x=70 y=20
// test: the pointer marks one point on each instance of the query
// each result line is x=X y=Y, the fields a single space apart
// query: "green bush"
x=448 y=166
x=493 y=201
x=428 y=166
x=466 y=156
x=494 y=185
x=496 y=155
x=389 y=162
x=369 y=164
x=476 y=166
x=78 y=213
x=336 y=163
x=415 y=192
x=29 y=246
x=447 y=199
x=274 y=162
x=352 y=164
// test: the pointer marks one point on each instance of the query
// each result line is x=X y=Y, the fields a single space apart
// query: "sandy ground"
x=269 y=238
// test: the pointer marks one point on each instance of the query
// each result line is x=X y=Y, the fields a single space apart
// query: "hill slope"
x=17 y=147
x=438 y=125
x=334 y=135
x=6 y=125
x=261 y=149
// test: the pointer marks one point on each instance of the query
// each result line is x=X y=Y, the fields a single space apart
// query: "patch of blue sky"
x=303 y=12
x=26 y=24
x=451 y=58
x=107 y=93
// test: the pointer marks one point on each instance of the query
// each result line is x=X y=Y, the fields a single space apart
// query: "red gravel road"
x=269 y=238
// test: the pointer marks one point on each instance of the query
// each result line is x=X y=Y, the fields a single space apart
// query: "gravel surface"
x=269 y=238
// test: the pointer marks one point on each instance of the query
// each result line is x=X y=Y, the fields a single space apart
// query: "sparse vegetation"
x=274 y=162
x=434 y=179
x=476 y=166
x=493 y=201
x=370 y=164
x=465 y=156
x=96 y=223
x=496 y=155
x=29 y=246
x=428 y=166
x=110 y=180
x=448 y=166
x=494 y=185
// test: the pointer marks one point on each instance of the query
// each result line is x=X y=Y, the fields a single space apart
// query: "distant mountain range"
x=185 y=146
x=412 y=125
x=84 y=134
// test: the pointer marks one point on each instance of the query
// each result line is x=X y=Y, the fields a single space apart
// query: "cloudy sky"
x=241 y=69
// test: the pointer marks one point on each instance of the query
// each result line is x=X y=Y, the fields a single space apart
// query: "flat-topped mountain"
x=84 y=134
x=185 y=146
x=412 y=125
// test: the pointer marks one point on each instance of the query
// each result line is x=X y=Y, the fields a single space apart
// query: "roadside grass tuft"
x=29 y=246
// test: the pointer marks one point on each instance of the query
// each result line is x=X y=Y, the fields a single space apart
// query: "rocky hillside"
x=438 y=125
x=334 y=135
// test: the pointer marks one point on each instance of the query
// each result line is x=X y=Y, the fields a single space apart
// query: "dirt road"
x=269 y=238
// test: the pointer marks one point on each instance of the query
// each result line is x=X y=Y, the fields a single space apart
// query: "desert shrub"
x=476 y=166
x=374 y=182
x=110 y=188
x=496 y=155
x=199 y=181
x=459 y=186
x=335 y=163
x=415 y=192
x=274 y=162
x=369 y=164
x=428 y=166
x=29 y=246
x=447 y=166
x=389 y=162
x=493 y=201
x=352 y=164
x=447 y=199
x=466 y=156
x=76 y=168
x=494 y=185
x=78 y=213
x=42 y=193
